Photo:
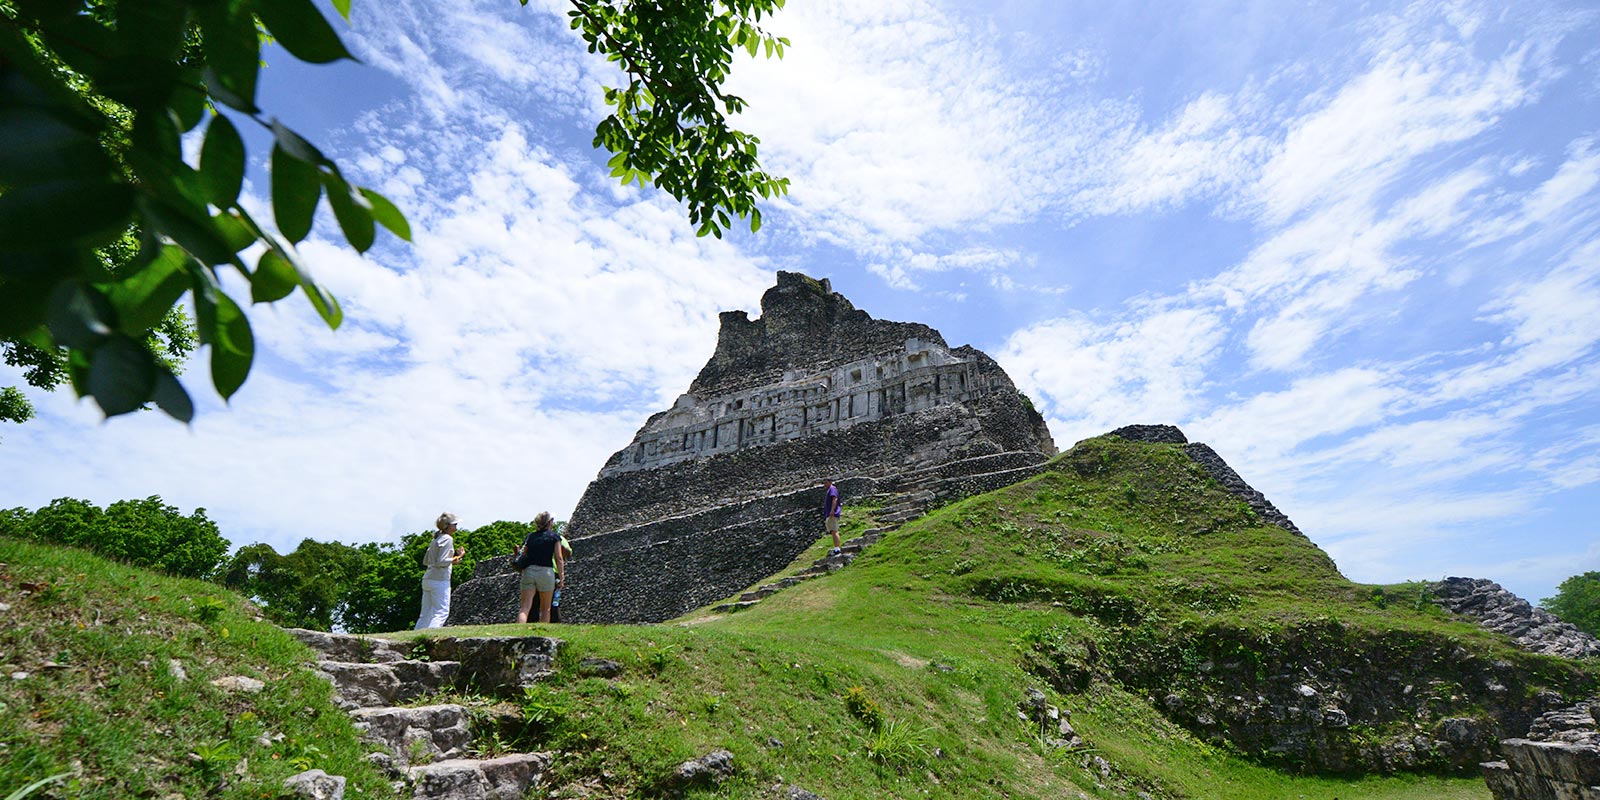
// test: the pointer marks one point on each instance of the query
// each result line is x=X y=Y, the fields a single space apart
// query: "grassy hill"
x=1197 y=652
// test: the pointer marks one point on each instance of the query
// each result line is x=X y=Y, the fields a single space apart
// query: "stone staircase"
x=906 y=497
x=427 y=749
x=901 y=508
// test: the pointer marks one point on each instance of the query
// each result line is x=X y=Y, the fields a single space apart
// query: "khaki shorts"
x=831 y=524
x=541 y=579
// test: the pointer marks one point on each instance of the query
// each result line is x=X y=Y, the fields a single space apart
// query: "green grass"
x=101 y=701
x=897 y=677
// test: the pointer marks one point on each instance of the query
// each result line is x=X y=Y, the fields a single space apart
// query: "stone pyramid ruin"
x=724 y=488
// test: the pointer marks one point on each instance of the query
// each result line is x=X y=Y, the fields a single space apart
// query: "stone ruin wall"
x=917 y=376
x=724 y=489
x=952 y=423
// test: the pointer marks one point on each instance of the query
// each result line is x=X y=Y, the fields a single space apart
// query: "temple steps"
x=907 y=505
x=425 y=750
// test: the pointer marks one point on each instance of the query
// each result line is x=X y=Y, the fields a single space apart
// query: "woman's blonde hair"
x=544 y=521
x=445 y=520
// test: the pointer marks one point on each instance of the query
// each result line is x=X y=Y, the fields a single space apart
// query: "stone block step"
x=353 y=649
x=811 y=572
x=368 y=685
x=728 y=608
x=508 y=777
x=888 y=512
x=756 y=595
x=901 y=516
x=835 y=563
x=420 y=734
x=880 y=530
x=500 y=664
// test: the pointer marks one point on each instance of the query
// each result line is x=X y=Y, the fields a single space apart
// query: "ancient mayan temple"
x=723 y=489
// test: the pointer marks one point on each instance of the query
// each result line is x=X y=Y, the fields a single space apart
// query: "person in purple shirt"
x=830 y=513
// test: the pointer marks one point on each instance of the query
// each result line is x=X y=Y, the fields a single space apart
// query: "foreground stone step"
x=368 y=685
x=508 y=777
x=499 y=664
x=728 y=608
x=835 y=563
x=420 y=734
x=757 y=594
x=353 y=649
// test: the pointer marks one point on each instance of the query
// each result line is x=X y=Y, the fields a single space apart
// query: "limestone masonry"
x=724 y=488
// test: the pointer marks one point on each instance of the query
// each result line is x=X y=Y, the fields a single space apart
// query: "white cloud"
x=1094 y=377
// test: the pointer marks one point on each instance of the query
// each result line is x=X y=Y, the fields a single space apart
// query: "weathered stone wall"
x=660 y=569
x=1327 y=698
x=1534 y=629
x=1559 y=759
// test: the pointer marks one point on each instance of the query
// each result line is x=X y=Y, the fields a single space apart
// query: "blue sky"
x=1355 y=248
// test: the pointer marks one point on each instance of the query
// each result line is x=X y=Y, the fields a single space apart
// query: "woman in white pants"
x=441 y=556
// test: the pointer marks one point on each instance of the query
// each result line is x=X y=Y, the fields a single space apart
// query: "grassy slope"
x=934 y=625
x=929 y=634
x=112 y=713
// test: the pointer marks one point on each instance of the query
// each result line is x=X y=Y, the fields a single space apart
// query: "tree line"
x=368 y=588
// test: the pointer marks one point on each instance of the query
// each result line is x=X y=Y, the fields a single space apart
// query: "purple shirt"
x=830 y=506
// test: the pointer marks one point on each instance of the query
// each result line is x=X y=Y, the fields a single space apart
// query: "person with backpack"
x=541 y=560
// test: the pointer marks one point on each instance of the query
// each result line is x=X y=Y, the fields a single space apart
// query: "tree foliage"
x=303 y=589
x=146 y=533
x=95 y=96
x=670 y=120
x=1577 y=601
x=371 y=588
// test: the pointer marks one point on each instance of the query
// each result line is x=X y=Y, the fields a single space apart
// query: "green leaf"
x=141 y=82
x=295 y=191
x=188 y=104
x=222 y=162
x=36 y=786
x=324 y=303
x=296 y=145
x=79 y=316
x=232 y=48
x=301 y=29
x=234 y=230
x=352 y=210
x=232 y=346
x=143 y=299
x=43 y=146
x=343 y=7
x=122 y=375
x=171 y=397
x=191 y=228
x=387 y=215
x=274 y=279
x=85 y=212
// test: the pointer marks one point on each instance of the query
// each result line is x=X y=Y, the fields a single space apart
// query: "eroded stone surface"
x=1497 y=609
x=499 y=664
x=1559 y=759
x=369 y=685
x=505 y=778
x=352 y=649
x=417 y=735
x=314 y=784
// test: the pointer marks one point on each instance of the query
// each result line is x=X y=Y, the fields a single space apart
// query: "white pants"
x=435 y=604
